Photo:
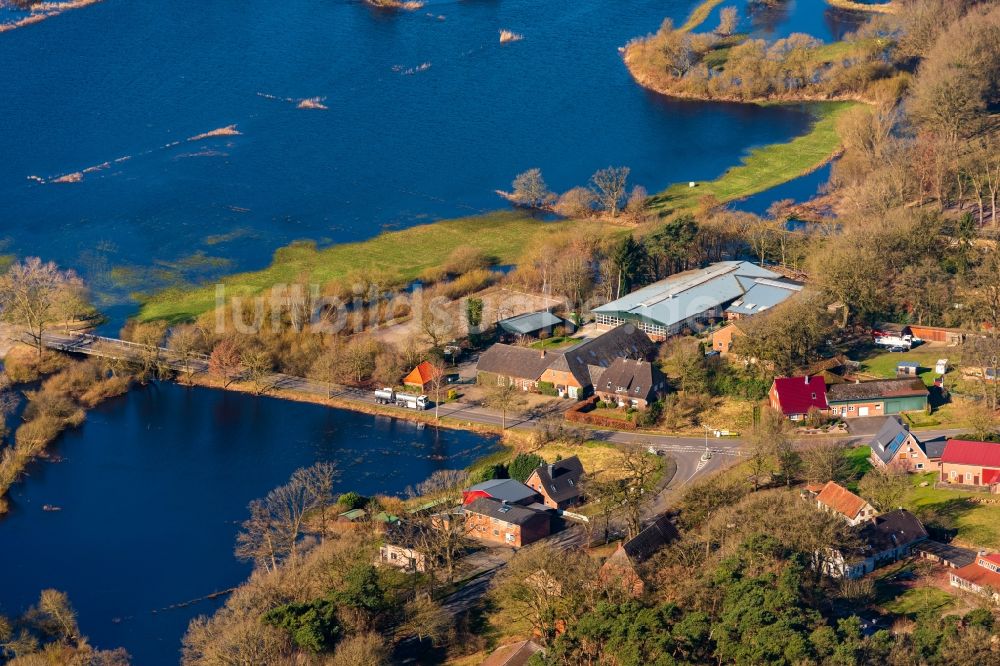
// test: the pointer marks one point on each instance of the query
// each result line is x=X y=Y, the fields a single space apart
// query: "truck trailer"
x=388 y=396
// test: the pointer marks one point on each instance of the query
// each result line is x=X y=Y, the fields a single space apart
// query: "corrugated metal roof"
x=687 y=294
x=530 y=322
x=764 y=294
x=963 y=452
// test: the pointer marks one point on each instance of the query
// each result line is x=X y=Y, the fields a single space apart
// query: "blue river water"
x=426 y=115
x=152 y=489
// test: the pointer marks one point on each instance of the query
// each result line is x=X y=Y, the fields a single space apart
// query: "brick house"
x=894 y=444
x=980 y=577
x=623 y=568
x=971 y=464
x=877 y=398
x=505 y=524
x=631 y=383
x=723 y=338
x=837 y=499
x=558 y=483
x=795 y=396
x=568 y=372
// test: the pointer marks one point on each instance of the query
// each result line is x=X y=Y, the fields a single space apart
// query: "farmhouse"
x=569 y=372
x=403 y=557
x=630 y=383
x=877 y=398
x=507 y=364
x=795 y=396
x=558 y=483
x=690 y=298
x=981 y=577
x=723 y=338
x=834 y=498
x=885 y=539
x=894 y=444
x=513 y=525
x=623 y=567
x=971 y=464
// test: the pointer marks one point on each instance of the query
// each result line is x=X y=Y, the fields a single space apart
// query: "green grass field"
x=557 y=342
x=976 y=525
x=919 y=600
x=884 y=365
x=768 y=166
x=399 y=256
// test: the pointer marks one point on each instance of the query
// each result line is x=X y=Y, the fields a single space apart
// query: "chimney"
x=805 y=378
x=552 y=470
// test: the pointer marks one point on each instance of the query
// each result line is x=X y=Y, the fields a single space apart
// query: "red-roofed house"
x=839 y=500
x=981 y=577
x=421 y=378
x=971 y=464
x=795 y=396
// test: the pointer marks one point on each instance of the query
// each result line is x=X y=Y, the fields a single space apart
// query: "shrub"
x=465 y=259
x=352 y=500
x=312 y=625
x=523 y=465
x=487 y=472
x=469 y=283
x=547 y=388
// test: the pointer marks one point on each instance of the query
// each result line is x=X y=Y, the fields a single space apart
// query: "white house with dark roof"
x=631 y=383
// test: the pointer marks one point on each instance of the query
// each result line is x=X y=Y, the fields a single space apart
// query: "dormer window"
x=814 y=395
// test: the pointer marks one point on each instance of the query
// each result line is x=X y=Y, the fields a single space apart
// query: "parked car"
x=898 y=349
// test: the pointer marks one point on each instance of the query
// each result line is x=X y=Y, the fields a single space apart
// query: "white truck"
x=388 y=396
x=892 y=340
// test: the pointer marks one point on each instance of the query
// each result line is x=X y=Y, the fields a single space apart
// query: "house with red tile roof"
x=968 y=463
x=981 y=577
x=421 y=378
x=795 y=396
x=837 y=499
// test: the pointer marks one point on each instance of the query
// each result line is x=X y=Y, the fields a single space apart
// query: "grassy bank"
x=398 y=256
x=768 y=166
x=699 y=14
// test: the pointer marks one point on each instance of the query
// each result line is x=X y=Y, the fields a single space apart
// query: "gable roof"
x=530 y=322
x=513 y=514
x=965 y=452
x=934 y=448
x=561 y=479
x=796 y=395
x=841 y=500
x=623 y=341
x=645 y=544
x=889 y=438
x=893 y=529
x=422 y=374
x=512 y=361
x=515 y=654
x=763 y=294
x=638 y=379
x=880 y=388
x=507 y=490
x=691 y=293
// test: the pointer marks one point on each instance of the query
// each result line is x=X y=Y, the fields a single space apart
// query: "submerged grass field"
x=398 y=256
x=768 y=166
x=401 y=256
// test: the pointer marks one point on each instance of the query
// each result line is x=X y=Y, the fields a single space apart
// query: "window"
x=920 y=465
x=814 y=395
x=496 y=532
x=850 y=408
x=569 y=481
x=953 y=474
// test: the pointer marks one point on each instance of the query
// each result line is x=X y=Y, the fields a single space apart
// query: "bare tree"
x=506 y=397
x=328 y=367
x=225 y=361
x=34 y=294
x=438 y=381
x=187 y=342
x=530 y=190
x=436 y=323
x=258 y=366
x=729 y=19
x=823 y=461
x=609 y=185
x=270 y=536
x=884 y=487
x=631 y=492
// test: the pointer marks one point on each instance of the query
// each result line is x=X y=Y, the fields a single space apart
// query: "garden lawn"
x=918 y=600
x=767 y=166
x=398 y=256
x=976 y=525
x=557 y=342
x=884 y=365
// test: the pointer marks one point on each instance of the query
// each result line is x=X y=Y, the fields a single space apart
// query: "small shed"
x=941 y=366
x=907 y=369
